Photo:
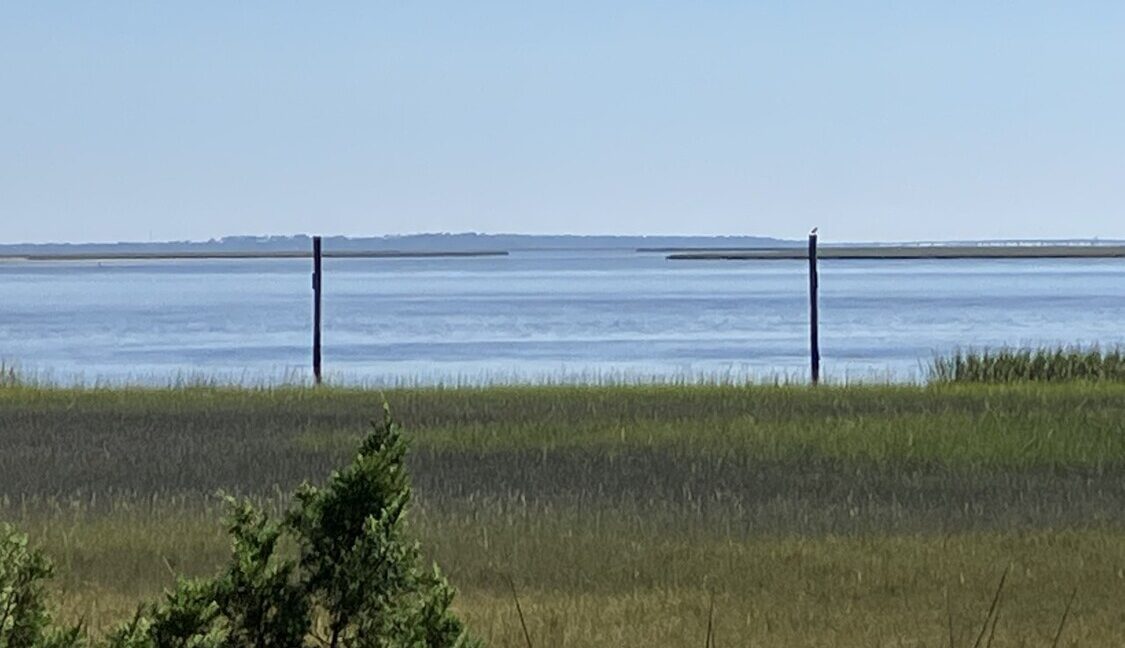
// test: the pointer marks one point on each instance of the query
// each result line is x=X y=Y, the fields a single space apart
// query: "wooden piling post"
x=316 y=281
x=814 y=315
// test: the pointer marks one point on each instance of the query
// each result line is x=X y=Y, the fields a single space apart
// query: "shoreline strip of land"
x=912 y=252
x=176 y=256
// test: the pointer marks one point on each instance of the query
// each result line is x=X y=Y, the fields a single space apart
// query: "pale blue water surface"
x=535 y=316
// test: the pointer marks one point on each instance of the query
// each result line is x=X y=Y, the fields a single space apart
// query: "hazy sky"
x=873 y=120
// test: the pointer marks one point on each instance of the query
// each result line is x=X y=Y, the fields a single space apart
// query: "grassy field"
x=838 y=516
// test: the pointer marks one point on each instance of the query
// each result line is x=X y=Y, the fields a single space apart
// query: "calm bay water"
x=612 y=315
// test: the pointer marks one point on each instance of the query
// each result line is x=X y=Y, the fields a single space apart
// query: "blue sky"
x=875 y=121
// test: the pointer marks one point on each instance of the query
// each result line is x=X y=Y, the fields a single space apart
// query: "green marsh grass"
x=1059 y=364
x=832 y=516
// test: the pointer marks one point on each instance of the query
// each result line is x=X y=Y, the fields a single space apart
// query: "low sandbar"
x=915 y=252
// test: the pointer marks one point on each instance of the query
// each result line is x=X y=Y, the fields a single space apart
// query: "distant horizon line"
x=281 y=238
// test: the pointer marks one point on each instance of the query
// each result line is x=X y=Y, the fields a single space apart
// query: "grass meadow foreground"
x=837 y=516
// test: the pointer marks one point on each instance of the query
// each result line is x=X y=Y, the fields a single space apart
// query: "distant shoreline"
x=174 y=256
x=912 y=252
x=763 y=253
x=426 y=243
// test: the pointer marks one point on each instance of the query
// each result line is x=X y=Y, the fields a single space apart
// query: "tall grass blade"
x=1062 y=622
x=710 y=641
x=992 y=609
x=949 y=616
x=519 y=611
x=992 y=632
